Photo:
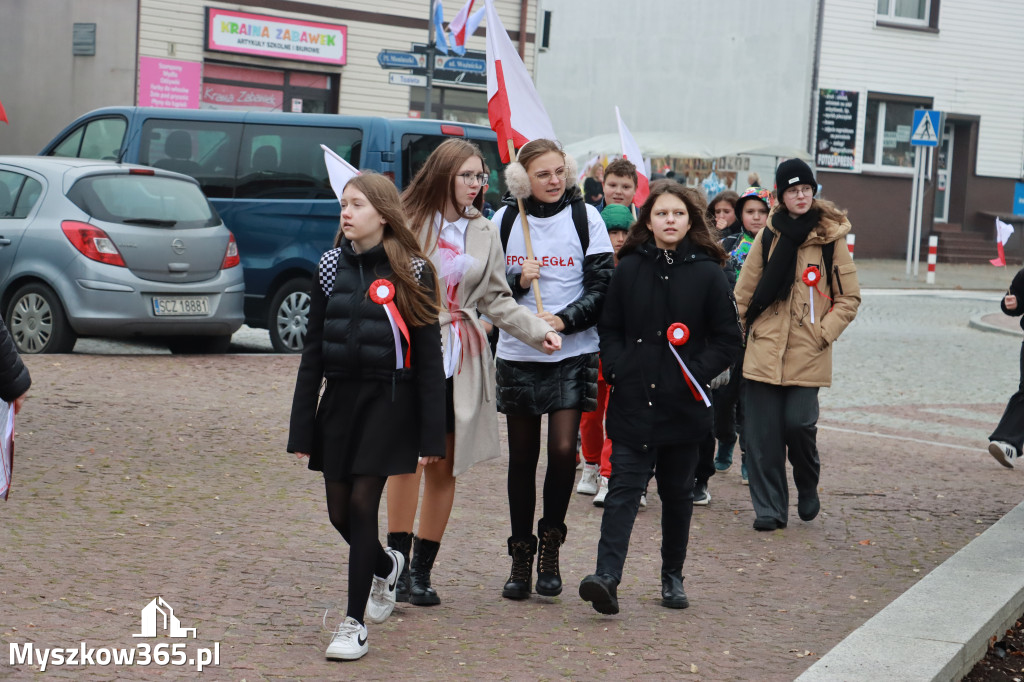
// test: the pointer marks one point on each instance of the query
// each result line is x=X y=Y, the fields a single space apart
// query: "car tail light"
x=231 y=258
x=92 y=242
x=390 y=175
x=141 y=171
x=447 y=129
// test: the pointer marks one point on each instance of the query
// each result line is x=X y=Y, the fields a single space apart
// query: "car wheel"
x=37 y=321
x=289 y=314
x=199 y=345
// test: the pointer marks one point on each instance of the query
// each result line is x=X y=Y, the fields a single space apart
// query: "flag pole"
x=535 y=284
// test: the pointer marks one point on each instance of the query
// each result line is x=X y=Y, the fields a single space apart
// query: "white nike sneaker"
x=383 y=591
x=349 y=643
x=602 y=492
x=588 y=481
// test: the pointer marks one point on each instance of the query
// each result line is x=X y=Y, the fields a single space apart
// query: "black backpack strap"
x=507 y=218
x=766 y=245
x=827 y=255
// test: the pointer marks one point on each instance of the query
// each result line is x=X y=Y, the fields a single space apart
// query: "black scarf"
x=777 y=278
x=540 y=209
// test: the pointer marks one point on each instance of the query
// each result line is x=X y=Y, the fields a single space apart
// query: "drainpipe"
x=814 y=81
x=522 y=28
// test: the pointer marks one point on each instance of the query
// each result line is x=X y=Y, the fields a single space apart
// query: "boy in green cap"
x=597 y=449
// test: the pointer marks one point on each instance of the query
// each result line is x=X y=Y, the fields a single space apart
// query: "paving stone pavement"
x=146 y=475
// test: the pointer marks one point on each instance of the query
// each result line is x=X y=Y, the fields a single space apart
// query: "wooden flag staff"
x=535 y=285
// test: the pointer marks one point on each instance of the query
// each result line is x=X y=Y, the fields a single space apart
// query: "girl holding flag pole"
x=443 y=203
x=374 y=344
x=668 y=328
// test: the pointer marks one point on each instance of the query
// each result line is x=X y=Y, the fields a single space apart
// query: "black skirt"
x=530 y=389
x=364 y=430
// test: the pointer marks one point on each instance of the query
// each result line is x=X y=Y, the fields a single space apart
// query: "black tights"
x=352 y=505
x=523 y=454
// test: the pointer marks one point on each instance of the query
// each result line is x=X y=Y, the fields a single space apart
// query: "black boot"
x=549 y=580
x=600 y=591
x=672 y=594
x=522 y=551
x=423 y=555
x=402 y=543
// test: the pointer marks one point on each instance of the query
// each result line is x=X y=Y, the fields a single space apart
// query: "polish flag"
x=339 y=170
x=3 y=115
x=631 y=152
x=513 y=105
x=1003 y=232
x=457 y=26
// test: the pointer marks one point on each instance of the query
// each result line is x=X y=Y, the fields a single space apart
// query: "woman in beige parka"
x=793 y=311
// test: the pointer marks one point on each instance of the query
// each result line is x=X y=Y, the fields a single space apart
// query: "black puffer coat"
x=350 y=338
x=649 y=403
x=14 y=377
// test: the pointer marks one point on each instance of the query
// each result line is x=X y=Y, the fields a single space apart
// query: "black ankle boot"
x=672 y=594
x=549 y=580
x=423 y=554
x=519 y=583
x=402 y=543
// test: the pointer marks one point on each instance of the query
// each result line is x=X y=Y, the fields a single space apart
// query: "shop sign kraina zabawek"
x=277 y=37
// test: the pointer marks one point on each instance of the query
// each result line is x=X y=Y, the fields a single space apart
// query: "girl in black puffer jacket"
x=669 y=276
x=373 y=334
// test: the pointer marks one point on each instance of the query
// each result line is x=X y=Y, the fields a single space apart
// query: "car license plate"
x=181 y=305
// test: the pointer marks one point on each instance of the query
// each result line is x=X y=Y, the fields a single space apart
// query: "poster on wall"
x=169 y=83
x=837 y=129
x=276 y=37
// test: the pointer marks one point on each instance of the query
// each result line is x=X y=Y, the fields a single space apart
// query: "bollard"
x=933 y=253
x=850 y=239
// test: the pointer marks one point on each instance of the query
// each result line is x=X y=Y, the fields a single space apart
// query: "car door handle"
x=177 y=267
x=4 y=241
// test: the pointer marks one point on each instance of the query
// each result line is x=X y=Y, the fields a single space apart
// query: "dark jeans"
x=780 y=421
x=674 y=467
x=1011 y=426
x=728 y=406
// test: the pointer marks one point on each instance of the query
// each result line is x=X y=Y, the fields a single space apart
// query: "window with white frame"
x=887 y=130
x=912 y=12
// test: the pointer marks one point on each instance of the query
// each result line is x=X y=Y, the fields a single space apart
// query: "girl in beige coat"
x=443 y=203
x=793 y=311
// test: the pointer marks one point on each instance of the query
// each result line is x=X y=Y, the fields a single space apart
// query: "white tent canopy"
x=681 y=146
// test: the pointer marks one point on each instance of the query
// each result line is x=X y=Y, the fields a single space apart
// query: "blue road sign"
x=389 y=59
x=465 y=64
x=925 y=130
x=1018 y=198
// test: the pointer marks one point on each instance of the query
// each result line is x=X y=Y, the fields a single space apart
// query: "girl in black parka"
x=373 y=335
x=669 y=272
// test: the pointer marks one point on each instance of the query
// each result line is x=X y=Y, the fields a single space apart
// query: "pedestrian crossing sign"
x=925 y=128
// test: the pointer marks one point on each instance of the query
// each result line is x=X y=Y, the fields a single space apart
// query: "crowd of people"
x=657 y=336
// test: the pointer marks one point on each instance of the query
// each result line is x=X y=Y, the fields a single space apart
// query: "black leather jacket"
x=14 y=377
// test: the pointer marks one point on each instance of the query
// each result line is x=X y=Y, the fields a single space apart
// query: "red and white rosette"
x=679 y=334
x=383 y=292
x=811 y=277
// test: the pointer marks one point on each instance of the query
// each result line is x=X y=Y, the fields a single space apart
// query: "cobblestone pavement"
x=146 y=475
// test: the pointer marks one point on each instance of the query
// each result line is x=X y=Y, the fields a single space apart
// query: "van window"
x=205 y=150
x=286 y=162
x=99 y=138
x=18 y=194
x=416 y=149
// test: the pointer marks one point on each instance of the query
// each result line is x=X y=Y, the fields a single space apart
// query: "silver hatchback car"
x=97 y=248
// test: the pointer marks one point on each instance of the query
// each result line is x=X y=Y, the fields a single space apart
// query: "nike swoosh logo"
x=361 y=640
x=393 y=583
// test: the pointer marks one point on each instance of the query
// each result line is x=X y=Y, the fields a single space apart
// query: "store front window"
x=242 y=88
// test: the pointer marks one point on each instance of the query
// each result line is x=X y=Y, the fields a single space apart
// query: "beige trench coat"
x=784 y=347
x=483 y=290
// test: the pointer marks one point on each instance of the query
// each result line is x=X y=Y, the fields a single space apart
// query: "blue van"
x=265 y=174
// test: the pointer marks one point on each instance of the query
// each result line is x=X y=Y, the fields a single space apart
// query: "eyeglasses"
x=544 y=176
x=800 y=190
x=472 y=179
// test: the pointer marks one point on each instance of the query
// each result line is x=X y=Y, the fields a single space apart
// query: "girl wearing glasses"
x=444 y=204
x=796 y=294
x=572 y=265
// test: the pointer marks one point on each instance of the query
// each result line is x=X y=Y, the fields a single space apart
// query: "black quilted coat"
x=649 y=403
x=14 y=377
x=349 y=337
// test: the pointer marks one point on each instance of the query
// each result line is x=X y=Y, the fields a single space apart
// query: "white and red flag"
x=631 y=152
x=1003 y=232
x=513 y=106
x=339 y=170
x=3 y=114
x=457 y=26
